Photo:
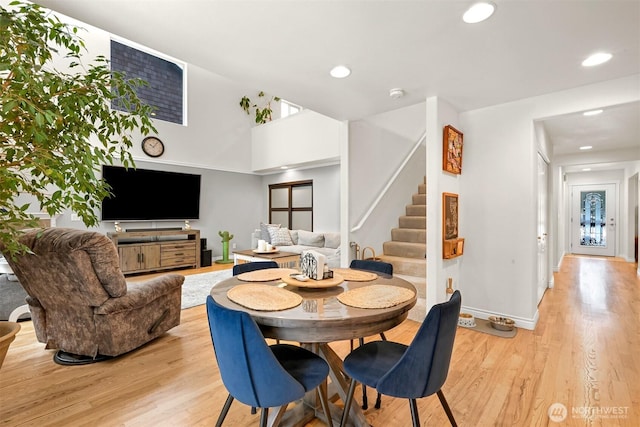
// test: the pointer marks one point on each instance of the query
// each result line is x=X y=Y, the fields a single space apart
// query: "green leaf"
x=49 y=120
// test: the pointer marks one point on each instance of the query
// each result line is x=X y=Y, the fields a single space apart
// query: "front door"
x=593 y=219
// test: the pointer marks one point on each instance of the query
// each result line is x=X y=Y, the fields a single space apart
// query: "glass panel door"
x=593 y=219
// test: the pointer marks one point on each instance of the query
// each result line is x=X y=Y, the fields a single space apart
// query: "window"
x=288 y=109
x=291 y=204
x=165 y=91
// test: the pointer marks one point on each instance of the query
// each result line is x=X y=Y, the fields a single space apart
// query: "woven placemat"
x=265 y=275
x=263 y=297
x=356 y=275
x=376 y=296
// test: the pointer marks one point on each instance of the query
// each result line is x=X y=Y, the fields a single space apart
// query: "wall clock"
x=152 y=146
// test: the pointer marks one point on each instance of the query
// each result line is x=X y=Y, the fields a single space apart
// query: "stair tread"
x=400 y=258
x=409 y=267
x=424 y=245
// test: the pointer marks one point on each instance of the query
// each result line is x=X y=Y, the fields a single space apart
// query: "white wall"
x=498 y=196
x=378 y=145
x=498 y=211
x=218 y=132
x=439 y=114
x=326 y=195
x=302 y=139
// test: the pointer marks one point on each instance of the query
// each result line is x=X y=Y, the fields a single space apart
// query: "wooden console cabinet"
x=144 y=251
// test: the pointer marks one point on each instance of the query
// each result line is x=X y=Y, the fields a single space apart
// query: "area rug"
x=484 y=326
x=196 y=287
x=12 y=296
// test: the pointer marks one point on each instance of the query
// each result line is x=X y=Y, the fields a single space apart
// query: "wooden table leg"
x=339 y=378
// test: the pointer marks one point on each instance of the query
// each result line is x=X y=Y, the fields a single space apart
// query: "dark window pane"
x=165 y=78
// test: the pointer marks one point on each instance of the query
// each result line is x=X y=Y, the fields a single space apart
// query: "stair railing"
x=376 y=202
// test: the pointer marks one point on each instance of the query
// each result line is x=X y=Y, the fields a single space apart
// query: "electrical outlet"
x=75 y=217
x=233 y=246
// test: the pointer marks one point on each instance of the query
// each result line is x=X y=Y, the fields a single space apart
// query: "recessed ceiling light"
x=478 y=12
x=586 y=147
x=586 y=169
x=596 y=59
x=284 y=167
x=340 y=71
x=592 y=113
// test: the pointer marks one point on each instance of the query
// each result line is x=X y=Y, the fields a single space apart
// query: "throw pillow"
x=294 y=236
x=308 y=238
x=264 y=230
x=280 y=237
x=332 y=240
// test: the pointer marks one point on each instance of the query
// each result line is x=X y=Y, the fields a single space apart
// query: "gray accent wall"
x=229 y=201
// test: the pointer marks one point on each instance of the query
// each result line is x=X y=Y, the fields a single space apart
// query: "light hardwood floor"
x=584 y=354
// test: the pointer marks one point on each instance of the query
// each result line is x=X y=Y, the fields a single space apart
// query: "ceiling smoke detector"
x=396 y=93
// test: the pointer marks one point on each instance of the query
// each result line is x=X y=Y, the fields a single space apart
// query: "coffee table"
x=284 y=259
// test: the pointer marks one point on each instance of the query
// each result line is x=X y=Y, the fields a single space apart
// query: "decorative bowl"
x=502 y=323
x=466 y=320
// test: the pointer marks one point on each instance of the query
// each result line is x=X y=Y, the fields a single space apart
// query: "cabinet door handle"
x=178 y=254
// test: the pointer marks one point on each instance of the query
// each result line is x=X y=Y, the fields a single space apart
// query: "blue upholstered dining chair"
x=253 y=266
x=413 y=371
x=257 y=374
x=378 y=267
x=371 y=265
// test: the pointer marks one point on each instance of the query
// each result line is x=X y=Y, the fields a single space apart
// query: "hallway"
x=583 y=355
x=590 y=320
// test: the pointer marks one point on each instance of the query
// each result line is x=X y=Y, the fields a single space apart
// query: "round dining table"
x=319 y=320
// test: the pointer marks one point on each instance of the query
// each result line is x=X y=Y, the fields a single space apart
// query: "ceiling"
x=527 y=48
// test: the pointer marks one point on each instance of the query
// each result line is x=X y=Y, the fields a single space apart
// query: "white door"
x=593 y=219
x=543 y=254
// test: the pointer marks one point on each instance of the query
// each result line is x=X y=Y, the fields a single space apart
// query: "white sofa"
x=298 y=241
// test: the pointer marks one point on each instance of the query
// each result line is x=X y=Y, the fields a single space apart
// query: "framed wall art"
x=452 y=150
x=449 y=216
x=452 y=244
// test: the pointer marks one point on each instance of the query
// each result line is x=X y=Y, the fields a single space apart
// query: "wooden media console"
x=162 y=249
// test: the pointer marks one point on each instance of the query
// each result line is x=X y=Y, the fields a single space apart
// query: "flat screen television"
x=144 y=195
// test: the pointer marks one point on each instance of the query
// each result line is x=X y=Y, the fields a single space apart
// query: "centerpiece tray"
x=325 y=283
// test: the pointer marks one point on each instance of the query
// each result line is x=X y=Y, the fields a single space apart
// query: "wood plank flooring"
x=584 y=354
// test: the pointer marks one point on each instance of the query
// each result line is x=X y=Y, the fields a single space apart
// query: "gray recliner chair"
x=81 y=303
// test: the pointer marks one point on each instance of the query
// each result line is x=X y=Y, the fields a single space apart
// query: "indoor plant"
x=263 y=112
x=56 y=124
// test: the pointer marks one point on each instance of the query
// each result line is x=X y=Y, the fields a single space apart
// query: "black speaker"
x=203 y=243
x=205 y=258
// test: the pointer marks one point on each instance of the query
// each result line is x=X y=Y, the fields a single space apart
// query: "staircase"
x=408 y=248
